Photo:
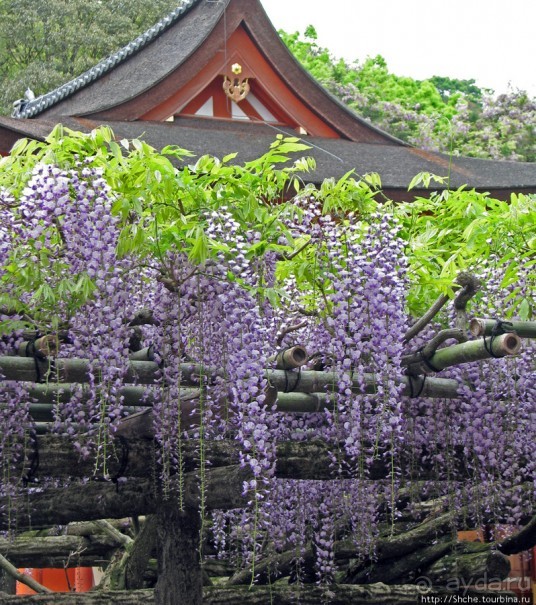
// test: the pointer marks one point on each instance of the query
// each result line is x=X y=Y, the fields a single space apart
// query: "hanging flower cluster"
x=65 y=228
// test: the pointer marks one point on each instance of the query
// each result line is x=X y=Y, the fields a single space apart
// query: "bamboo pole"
x=298 y=403
x=146 y=372
x=466 y=352
x=476 y=350
x=291 y=358
x=484 y=327
x=291 y=403
x=45 y=346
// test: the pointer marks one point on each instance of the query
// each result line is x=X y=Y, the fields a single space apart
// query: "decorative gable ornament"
x=235 y=88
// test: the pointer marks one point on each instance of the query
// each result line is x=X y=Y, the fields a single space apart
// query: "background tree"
x=44 y=44
x=440 y=113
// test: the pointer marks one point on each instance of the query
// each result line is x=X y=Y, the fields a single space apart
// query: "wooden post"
x=7 y=583
x=180 y=579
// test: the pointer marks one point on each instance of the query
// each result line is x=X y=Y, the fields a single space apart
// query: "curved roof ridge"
x=35 y=107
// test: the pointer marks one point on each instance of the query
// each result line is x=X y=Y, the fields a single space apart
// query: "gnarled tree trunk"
x=180 y=577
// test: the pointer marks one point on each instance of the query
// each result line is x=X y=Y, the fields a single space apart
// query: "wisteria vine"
x=226 y=314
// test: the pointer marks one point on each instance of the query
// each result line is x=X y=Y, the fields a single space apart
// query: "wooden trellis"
x=177 y=532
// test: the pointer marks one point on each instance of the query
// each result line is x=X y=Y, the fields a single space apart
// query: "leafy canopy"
x=163 y=201
x=44 y=44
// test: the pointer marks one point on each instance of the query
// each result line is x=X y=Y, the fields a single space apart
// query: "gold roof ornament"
x=236 y=88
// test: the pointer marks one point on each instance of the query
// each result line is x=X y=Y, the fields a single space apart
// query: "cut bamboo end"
x=509 y=344
x=477 y=327
x=485 y=327
x=476 y=350
x=294 y=357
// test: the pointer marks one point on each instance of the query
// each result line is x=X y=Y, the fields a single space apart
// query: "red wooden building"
x=214 y=77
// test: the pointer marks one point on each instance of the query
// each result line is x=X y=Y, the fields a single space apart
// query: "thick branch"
x=58 y=551
x=522 y=540
x=398 y=569
x=421 y=323
x=471 y=285
x=294 y=460
x=453 y=333
x=106 y=500
x=471 y=561
x=138 y=597
x=107 y=528
x=289 y=330
x=140 y=554
x=81 y=502
x=372 y=594
x=180 y=578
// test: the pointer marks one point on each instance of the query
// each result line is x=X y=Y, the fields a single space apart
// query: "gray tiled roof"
x=396 y=165
x=35 y=107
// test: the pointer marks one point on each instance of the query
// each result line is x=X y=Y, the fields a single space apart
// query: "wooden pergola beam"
x=108 y=500
x=369 y=594
x=136 y=458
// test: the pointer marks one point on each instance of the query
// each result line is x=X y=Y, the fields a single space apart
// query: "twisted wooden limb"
x=470 y=286
x=371 y=594
x=421 y=323
x=520 y=541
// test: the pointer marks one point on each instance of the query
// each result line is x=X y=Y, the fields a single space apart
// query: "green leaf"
x=524 y=310
x=199 y=251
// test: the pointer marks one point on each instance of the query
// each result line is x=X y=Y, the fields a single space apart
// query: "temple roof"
x=166 y=87
x=54 y=97
x=164 y=69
